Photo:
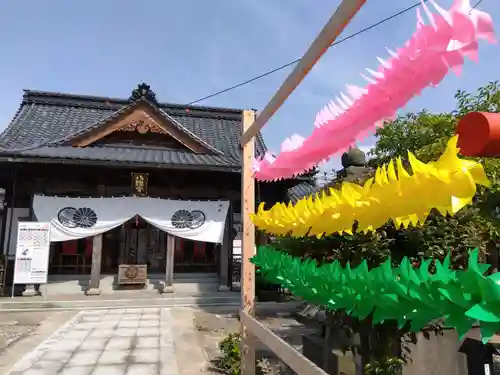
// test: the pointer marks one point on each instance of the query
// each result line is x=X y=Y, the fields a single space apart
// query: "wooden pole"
x=250 y=128
x=248 y=247
x=169 y=264
x=95 y=271
x=337 y=23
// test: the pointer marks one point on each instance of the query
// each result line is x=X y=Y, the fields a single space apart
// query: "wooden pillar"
x=123 y=240
x=169 y=264
x=225 y=253
x=8 y=211
x=95 y=272
x=248 y=246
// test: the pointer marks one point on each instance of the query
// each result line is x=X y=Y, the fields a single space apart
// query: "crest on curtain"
x=72 y=217
x=188 y=219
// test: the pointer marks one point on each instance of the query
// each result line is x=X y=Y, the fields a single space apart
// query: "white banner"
x=32 y=253
x=74 y=218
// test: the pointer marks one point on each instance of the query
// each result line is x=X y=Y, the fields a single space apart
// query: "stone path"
x=107 y=342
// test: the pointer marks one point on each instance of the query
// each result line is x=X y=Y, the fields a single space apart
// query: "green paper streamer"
x=463 y=298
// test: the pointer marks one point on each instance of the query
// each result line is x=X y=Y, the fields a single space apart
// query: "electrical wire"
x=342 y=40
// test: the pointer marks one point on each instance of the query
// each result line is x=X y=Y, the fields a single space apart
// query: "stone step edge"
x=281 y=307
x=73 y=305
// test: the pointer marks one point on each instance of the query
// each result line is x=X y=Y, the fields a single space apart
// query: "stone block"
x=49 y=366
x=131 y=317
x=79 y=370
x=438 y=355
x=142 y=369
x=84 y=358
x=110 y=370
x=150 y=316
x=86 y=326
x=149 y=323
x=101 y=333
x=148 y=342
x=65 y=345
x=128 y=324
x=77 y=335
x=30 y=292
x=148 y=332
x=94 y=344
x=93 y=292
x=151 y=355
x=223 y=288
x=113 y=357
x=125 y=332
x=168 y=289
x=57 y=356
x=119 y=343
x=151 y=310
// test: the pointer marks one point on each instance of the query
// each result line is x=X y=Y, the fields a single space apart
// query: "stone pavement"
x=107 y=342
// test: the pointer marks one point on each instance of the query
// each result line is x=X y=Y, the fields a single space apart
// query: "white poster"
x=32 y=253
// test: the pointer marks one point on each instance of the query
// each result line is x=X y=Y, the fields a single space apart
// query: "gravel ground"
x=14 y=326
x=212 y=328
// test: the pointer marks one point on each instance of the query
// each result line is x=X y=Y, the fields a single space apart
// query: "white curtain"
x=66 y=214
x=193 y=220
x=74 y=218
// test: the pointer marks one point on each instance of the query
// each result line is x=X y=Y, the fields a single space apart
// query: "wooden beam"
x=248 y=247
x=337 y=23
x=294 y=359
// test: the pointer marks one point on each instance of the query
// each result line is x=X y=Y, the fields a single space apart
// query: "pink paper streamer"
x=423 y=61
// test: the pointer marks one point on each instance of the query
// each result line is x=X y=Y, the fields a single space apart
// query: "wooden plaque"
x=140 y=184
x=132 y=274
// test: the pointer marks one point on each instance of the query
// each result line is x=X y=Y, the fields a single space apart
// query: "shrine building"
x=136 y=191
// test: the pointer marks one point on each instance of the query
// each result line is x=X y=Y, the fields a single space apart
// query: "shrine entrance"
x=138 y=242
x=143 y=244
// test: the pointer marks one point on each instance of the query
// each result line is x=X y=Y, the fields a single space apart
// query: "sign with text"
x=32 y=253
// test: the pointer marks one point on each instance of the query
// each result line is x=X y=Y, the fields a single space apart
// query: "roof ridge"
x=185 y=130
x=31 y=95
x=128 y=107
x=90 y=127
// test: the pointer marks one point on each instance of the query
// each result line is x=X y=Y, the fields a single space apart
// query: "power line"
x=272 y=71
x=479 y=2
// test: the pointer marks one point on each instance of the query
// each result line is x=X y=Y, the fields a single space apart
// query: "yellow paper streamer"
x=448 y=185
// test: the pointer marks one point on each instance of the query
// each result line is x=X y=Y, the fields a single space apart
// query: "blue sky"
x=188 y=49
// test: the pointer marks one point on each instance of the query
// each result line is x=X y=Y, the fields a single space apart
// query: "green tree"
x=411 y=132
x=424 y=134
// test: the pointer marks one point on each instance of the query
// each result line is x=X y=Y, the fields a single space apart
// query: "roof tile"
x=45 y=120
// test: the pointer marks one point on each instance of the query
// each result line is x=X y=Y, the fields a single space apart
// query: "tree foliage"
x=424 y=134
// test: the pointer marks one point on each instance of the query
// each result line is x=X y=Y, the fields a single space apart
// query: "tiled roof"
x=300 y=191
x=305 y=189
x=46 y=120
